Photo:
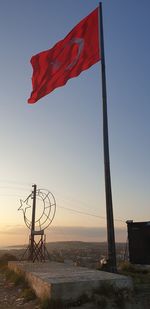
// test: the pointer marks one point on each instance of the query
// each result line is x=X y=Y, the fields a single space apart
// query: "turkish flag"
x=68 y=58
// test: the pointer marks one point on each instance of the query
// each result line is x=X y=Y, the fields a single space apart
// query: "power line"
x=87 y=214
x=66 y=208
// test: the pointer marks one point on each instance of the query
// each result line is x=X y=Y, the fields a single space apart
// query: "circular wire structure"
x=45 y=209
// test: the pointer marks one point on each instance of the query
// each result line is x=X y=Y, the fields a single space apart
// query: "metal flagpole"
x=33 y=222
x=108 y=191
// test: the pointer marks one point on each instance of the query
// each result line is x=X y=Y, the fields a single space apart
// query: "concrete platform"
x=68 y=283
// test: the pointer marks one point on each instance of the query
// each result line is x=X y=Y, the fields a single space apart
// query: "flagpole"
x=33 y=222
x=108 y=191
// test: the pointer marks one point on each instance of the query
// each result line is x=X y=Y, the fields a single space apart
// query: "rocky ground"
x=11 y=296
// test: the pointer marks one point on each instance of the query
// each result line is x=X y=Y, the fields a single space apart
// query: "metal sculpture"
x=39 y=209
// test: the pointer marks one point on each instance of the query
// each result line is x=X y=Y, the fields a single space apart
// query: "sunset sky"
x=57 y=142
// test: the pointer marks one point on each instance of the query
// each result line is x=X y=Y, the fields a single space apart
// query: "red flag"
x=68 y=58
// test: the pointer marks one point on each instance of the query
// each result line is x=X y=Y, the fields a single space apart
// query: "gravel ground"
x=10 y=296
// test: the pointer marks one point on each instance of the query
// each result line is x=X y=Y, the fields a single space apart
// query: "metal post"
x=33 y=222
x=109 y=205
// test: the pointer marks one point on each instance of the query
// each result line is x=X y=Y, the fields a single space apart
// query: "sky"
x=57 y=143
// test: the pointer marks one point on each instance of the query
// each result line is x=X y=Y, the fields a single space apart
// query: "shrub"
x=5 y=258
x=18 y=279
x=28 y=294
x=52 y=304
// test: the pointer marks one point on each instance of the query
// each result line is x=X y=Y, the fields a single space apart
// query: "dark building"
x=139 y=242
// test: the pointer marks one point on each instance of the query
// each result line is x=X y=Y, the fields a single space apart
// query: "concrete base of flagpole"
x=67 y=283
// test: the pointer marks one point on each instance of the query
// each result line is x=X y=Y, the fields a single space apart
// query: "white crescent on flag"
x=57 y=64
x=80 y=43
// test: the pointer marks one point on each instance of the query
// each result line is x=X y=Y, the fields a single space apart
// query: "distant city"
x=77 y=253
